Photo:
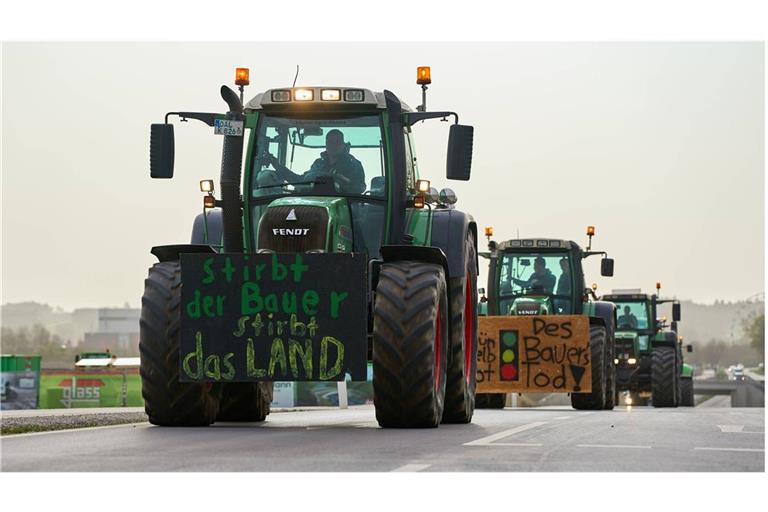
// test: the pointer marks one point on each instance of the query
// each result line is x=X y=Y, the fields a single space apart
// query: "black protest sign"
x=273 y=317
x=533 y=354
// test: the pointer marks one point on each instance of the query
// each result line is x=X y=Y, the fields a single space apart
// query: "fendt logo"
x=290 y=231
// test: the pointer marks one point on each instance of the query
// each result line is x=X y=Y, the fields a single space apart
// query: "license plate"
x=228 y=127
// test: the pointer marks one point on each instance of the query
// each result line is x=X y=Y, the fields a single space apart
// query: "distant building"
x=117 y=329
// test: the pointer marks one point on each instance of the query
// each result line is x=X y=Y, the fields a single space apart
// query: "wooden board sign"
x=533 y=354
x=273 y=317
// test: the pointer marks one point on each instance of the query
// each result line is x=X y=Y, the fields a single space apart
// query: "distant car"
x=738 y=373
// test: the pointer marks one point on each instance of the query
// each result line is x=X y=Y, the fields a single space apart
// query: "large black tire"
x=664 y=377
x=686 y=386
x=597 y=347
x=245 y=401
x=461 y=379
x=490 y=400
x=167 y=401
x=611 y=395
x=410 y=344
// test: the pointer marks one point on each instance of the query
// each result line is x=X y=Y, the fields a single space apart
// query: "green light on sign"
x=509 y=338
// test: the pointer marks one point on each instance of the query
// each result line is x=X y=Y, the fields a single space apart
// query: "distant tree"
x=754 y=330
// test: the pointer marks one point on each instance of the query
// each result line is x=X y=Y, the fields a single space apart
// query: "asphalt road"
x=541 y=439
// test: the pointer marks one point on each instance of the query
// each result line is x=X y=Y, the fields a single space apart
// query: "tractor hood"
x=299 y=224
x=527 y=306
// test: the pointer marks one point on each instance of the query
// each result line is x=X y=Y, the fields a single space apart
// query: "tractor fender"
x=172 y=252
x=449 y=231
x=604 y=313
x=665 y=339
x=215 y=228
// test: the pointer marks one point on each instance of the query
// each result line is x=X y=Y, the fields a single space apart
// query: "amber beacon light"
x=241 y=76
x=423 y=76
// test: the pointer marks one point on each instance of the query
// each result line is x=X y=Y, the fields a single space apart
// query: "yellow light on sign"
x=303 y=95
x=590 y=230
x=423 y=75
x=489 y=231
x=241 y=76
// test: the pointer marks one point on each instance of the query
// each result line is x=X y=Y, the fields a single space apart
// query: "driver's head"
x=564 y=264
x=626 y=310
x=334 y=142
x=539 y=264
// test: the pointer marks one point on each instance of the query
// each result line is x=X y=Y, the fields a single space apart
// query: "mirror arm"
x=200 y=116
x=587 y=254
x=412 y=118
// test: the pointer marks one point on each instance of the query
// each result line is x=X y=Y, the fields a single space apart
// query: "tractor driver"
x=628 y=319
x=334 y=161
x=542 y=280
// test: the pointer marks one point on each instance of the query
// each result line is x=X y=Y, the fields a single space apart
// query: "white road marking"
x=81 y=429
x=612 y=446
x=514 y=444
x=731 y=449
x=731 y=428
x=483 y=441
x=411 y=468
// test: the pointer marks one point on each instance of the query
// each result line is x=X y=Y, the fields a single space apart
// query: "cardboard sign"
x=273 y=317
x=533 y=354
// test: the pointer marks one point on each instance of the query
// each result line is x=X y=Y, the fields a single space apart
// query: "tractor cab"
x=539 y=276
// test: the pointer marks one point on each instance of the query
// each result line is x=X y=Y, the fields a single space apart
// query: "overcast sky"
x=659 y=145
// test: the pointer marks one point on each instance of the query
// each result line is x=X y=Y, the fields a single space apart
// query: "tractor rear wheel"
x=245 y=401
x=461 y=379
x=686 y=385
x=597 y=348
x=410 y=344
x=664 y=376
x=167 y=401
x=490 y=400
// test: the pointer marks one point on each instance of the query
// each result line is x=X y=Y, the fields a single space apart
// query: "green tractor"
x=544 y=278
x=325 y=252
x=649 y=353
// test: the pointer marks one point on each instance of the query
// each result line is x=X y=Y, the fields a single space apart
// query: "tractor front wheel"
x=245 y=401
x=167 y=401
x=410 y=344
x=490 y=400
x=597 y=347
x=686 y=385
x=664 y=376
x=462 y=363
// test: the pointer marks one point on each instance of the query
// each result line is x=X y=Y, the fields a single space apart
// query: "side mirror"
x=676 y=311
x=606 y=267
x=689 y=348
x=459 y=159
x=161 y=151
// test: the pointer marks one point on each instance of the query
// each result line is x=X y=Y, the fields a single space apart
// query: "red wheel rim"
x=438 y=345
x=469 y=327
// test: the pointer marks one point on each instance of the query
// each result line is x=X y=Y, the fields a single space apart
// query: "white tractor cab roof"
x=316 y=96
x=536 y=243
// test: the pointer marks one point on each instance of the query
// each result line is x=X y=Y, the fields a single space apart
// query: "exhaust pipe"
x=231 y=165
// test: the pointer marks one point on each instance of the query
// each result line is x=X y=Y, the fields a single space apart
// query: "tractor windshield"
x=307 y=156
x=539 y=274
x=632 y=314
